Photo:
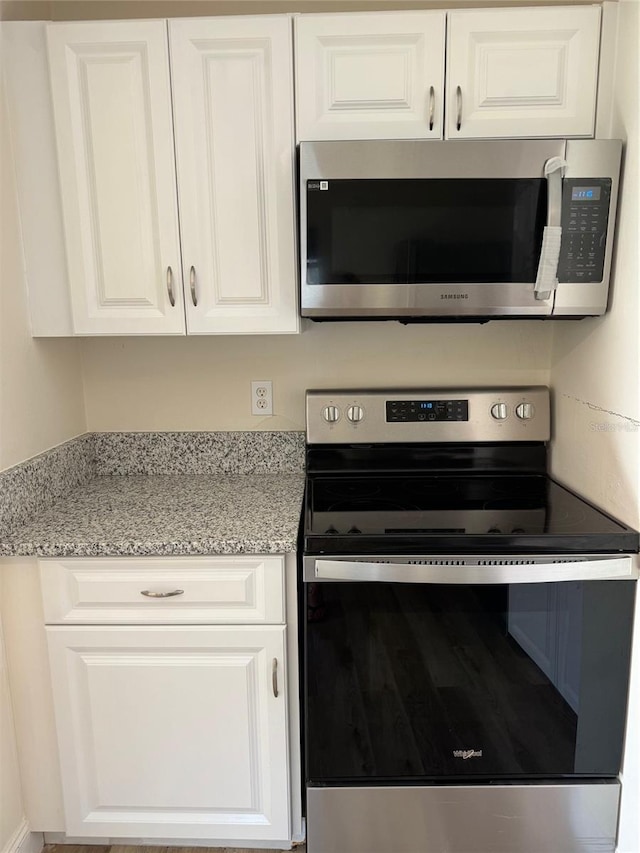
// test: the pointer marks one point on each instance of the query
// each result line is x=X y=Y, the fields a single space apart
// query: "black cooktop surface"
x=410 y=513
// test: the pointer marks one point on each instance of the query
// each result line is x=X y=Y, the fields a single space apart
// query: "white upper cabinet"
x=522 y=72
x=233 y=112
x=112 y=106
x=509 y=73
x=370 y=75
x=231 y=263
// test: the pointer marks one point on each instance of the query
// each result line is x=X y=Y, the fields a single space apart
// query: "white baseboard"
x=62 y=838
x=23 y=841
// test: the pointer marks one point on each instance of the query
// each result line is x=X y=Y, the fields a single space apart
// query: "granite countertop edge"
x=175 y=515
x=199 y=548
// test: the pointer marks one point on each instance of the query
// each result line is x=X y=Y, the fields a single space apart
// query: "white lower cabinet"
x=172 y=730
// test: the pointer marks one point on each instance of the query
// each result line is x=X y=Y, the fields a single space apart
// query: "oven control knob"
x=525 y=411
x=355 y=414
x=499 y=411
x=331 y=414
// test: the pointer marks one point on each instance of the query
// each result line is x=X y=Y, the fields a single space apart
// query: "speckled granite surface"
x=28 y=488
x=149 y=494
x=127 y=453
x=174 y=514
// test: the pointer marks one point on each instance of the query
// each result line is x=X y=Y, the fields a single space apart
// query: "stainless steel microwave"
x=418 y=230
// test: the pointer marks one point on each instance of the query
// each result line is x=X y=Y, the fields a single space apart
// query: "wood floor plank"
x=76 y=848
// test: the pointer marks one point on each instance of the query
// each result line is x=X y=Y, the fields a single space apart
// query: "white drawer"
x=213 y=590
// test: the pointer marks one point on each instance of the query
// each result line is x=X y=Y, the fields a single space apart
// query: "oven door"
x=478 y=672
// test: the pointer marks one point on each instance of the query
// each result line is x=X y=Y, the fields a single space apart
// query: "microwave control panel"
x=585 y=215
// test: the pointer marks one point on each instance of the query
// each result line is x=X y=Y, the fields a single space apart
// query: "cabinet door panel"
x=522 y=72
x=233 y=91
x=370 y=75
x=171 y=732
x=112 y=105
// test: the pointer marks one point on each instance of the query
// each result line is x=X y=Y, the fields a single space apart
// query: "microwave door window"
x=367 y=256
x=425 y=231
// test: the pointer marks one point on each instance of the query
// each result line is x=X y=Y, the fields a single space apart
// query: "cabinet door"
x=172 y=732
x=233 y=107
x=522 y=72
x=370 y=75
x=112 y=106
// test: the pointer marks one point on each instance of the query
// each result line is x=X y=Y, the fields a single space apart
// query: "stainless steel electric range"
x=467 y=630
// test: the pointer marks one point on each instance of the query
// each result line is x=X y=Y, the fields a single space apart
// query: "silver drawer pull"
x=274 y=677
x=459 y=100
x=151 y=594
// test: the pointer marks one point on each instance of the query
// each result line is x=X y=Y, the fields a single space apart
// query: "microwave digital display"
x=585 y=194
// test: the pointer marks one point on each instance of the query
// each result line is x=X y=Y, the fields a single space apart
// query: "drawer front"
x=197 y=590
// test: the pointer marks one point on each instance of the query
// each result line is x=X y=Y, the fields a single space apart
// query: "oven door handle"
x=456 y=571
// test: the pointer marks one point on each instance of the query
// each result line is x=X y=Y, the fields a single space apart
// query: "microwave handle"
x=589 y=568
x=547 y=277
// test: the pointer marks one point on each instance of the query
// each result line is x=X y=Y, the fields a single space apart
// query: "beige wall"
x=41 y=398
x=25 y=10
x=95 y=9
x=204 y=383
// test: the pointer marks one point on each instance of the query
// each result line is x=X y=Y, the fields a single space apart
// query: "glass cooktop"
x=445 y=512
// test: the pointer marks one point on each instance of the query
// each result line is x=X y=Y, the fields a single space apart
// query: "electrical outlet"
x=261 y=397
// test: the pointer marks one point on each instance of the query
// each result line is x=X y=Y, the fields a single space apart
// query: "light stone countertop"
x=165 y=515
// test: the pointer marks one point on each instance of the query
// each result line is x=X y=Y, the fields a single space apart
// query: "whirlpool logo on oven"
x=467 y=753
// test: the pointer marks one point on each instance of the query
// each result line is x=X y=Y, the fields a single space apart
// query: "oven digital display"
x=408 y=411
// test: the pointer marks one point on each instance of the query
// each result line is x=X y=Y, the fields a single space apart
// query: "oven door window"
x=424 y=231
x=408 y=682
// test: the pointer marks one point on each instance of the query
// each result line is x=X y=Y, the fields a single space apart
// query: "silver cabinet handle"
x=172 y=298
x=151 y=594
x=274 y=677
x=459 y=102
x=432 y=106
x=192 y=285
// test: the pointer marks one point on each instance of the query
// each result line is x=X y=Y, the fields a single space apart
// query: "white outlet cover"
x=261 y=397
